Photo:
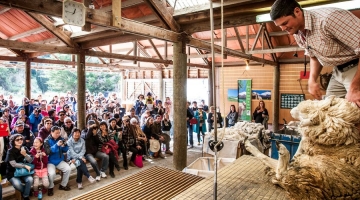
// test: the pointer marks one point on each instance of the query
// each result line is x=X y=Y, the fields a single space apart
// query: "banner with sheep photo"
x=244 y=99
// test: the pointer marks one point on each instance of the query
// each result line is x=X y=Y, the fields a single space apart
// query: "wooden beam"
x=229 y=22
x=257 y=36
x=70 y=63
x=124 y=4
x=277 y=50
x=111 y=40
x=54 y=8
x=268 y=41
x=87 y=26
x=239 y=39
x=28 y=33
x=53 y=29
x=240 y=15
x=36 y=47
x=155 y=49
x=145 y=53
x=125 y=57
x=207 y=46
x=206 y=6
x=116 y=13
x=160 y=7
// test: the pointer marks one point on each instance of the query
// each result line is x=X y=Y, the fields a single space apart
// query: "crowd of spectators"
x=45 y=134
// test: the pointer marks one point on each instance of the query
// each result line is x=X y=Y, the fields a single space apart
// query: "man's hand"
x=314 y=89
x=353 y=95
x=83 y=159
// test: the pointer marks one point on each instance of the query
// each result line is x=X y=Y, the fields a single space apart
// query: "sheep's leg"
x=284 y=157
x=272 y=163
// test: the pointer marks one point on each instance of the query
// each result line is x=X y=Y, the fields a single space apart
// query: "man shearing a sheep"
x=331 y=37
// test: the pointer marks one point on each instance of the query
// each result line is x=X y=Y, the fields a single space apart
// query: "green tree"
x=12 y=79
x=41 y=80
x=61 y=81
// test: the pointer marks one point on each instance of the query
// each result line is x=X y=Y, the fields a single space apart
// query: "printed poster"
x=233 y=95
x=244 y=99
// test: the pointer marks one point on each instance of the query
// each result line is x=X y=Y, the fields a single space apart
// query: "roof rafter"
x=53 y=29
x=160 y=7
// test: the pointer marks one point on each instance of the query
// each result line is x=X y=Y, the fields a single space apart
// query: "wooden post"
x=81 y=99
x=161 y=86
x=28 y=79
x=211 y=89
x=276 y=89
x=179 y=100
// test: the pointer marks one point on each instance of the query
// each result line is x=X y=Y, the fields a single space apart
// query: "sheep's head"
x=328 y=122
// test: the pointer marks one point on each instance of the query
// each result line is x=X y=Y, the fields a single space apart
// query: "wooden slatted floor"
x=154 y=183
x=243 y=179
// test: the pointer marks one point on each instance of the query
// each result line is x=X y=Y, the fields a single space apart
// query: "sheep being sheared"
x=327 y=163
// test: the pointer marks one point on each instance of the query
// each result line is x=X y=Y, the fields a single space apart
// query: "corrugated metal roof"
x=180 y=4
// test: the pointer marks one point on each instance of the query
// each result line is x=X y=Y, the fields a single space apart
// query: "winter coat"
x=44 y=133
x=197 y=126
x=40 y=162
x=76 y=149
x=35 y=121
x=55 y=152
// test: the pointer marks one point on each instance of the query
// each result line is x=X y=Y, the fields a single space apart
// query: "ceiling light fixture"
x=247 y=64
x=347 y=5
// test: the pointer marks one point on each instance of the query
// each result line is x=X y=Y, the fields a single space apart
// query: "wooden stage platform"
x=243 y=179
x=154 y=183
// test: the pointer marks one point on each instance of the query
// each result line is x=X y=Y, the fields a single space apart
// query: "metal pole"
x=214 y=91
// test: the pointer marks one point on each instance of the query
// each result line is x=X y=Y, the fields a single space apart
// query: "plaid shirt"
x=332 y=35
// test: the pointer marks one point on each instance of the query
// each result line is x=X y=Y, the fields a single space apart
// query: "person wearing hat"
x=55 y=148
x=149 y=99
x=25 y=132
x=129 y=142
x=115 y=129
x=15 y=159
x=61 y=121
x=139 y=104
x=200 y=126
x=92 y=152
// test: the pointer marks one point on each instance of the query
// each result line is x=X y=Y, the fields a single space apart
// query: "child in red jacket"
x=40 y=162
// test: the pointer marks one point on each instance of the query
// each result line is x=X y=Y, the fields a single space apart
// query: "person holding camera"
x=26 y=106
x=35 y=119
x=56 y=148
x=91 y=145
x=40 y=162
